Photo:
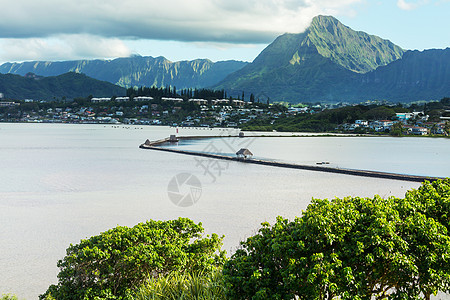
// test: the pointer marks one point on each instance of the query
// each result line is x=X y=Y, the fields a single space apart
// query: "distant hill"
x=418 y=75
x=136 y=70
x=330 y=62
x=69 y=85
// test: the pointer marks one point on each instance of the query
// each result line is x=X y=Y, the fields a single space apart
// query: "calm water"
x=62 y=183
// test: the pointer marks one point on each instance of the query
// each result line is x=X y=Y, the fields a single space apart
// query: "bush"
x=110 y=265
x=8 y=297
x=187 y=286
x=351 y=248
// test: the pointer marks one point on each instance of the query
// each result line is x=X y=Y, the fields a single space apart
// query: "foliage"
x=325 y=121
x=188 y=286
x=351 y=248
x=111 y=264
x=169 y=91
x=8 y=297
x=397 y=129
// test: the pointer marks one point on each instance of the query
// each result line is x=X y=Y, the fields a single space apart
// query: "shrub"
x=187 y=286
x=8 y=297
x=110 y=265
x=351 y=248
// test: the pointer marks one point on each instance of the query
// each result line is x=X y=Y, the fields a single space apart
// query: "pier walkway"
x=364 y=173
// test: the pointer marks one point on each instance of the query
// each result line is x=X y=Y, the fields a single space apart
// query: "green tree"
x=396 y=129
x=112 y=264
x=351 y=248
x=447 y=128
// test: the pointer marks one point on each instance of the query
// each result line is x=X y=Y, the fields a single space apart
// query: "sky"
x=56 y=30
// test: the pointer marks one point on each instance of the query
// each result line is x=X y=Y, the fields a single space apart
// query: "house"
x=418 y=130
x=404 y=116
x=172 y=99
x=362 y=123
x=385 y=123
x=199 y=101
x=143 y=98
x=99 y=100
x=238 y=102
x=244 y=153
x=220 y=101
x=381 y=125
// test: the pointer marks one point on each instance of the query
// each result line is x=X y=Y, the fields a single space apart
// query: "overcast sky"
x=189 y=29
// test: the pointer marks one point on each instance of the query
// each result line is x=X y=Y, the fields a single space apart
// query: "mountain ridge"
x=135 y=70
x=329 y=62
x=69 y=85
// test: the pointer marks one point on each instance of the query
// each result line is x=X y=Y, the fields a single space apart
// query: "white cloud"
x=67 y=29
x=402 y=4
x=61 y=47
x=235 y=21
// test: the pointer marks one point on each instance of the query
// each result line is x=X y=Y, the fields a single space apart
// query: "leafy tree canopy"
x=351 y=248
x=110 y=265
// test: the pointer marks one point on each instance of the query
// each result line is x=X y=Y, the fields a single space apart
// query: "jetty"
x=155 y=145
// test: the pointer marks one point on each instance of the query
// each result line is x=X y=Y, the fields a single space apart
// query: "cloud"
x=67 y=29
x=61 y=47
x=402 y=4
x=230 y=21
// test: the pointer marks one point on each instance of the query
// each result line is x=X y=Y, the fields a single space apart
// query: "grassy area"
x=188 y=286
x=8 y=297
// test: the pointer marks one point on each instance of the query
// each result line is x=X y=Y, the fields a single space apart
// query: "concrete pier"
x=364 y=173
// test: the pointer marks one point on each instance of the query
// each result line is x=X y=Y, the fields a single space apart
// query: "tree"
x=396 y=129
x=351 y=248
x=111 y=264
x=447 y=128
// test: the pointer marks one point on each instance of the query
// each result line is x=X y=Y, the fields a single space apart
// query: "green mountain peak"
x=356 y=51
x=331 y=62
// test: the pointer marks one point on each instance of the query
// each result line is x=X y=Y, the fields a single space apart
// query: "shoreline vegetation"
x=349 y=248
x=207 y=109
x=259 y=134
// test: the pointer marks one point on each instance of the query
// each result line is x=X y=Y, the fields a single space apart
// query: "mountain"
x=330 y=62
x=69 y=85
x=417 y=76
x=135 y=70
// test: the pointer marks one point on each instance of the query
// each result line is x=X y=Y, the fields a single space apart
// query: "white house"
x=418 y=130
x=99 y=100
x=172 y=99
x=199 y=101
x=143 y=98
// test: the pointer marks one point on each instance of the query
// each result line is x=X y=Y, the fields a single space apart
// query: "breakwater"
x=364 y=173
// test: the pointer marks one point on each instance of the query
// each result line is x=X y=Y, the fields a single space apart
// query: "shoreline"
x=258 y=133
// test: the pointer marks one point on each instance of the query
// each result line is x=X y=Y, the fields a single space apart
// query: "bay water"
x=61 y=183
